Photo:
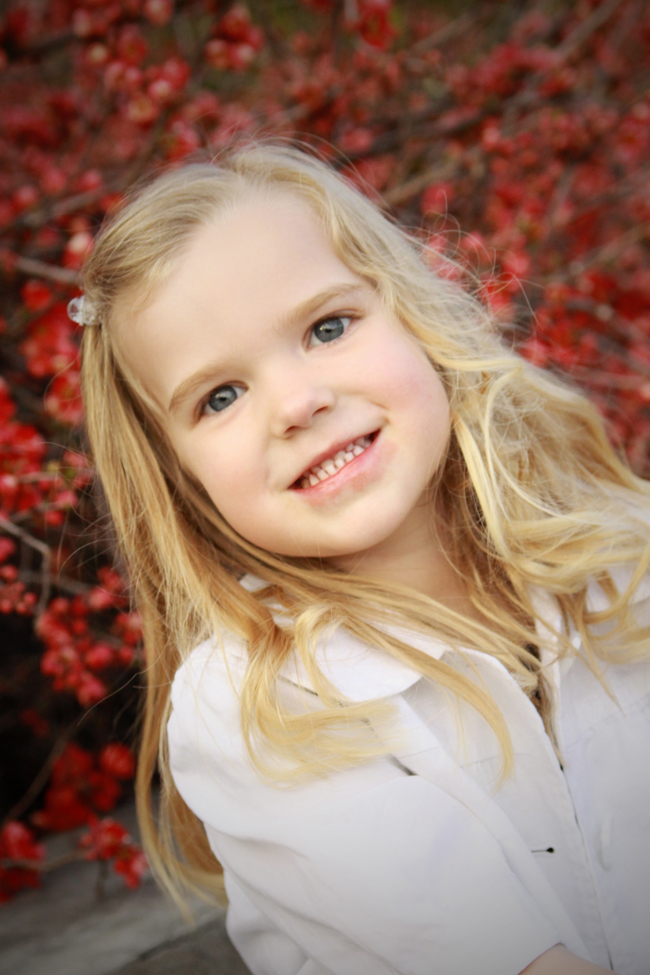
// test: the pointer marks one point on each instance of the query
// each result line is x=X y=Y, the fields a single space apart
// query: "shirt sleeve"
x=369 y=871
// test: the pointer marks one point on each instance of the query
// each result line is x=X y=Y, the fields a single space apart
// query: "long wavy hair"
x=532 y=492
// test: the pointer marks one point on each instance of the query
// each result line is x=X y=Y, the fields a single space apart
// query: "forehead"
x=244 y=270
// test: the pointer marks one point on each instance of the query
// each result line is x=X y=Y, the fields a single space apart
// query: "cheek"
x=414 y=387
x=228 y=469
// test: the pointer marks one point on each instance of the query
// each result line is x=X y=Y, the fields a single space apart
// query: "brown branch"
x=599 y=377
x=39 y=269
x=439 y=37
x=39 y=781
x=64 y=583
x=631 y=17
x=35 y=219
x=608 y=252
x=46 y=554
x=43 y=866
x=404 y=191
x=46 y=41
x=588 y=27
x=408 y=129
x=528 y=95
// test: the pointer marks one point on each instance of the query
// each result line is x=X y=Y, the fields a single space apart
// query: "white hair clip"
x=82 y=311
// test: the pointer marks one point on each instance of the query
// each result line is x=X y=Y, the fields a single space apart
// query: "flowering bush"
x=526 y=126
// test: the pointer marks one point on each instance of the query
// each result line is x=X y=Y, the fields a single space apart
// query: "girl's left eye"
x=329 y=329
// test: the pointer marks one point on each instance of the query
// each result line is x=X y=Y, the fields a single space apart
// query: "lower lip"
x=356 y=474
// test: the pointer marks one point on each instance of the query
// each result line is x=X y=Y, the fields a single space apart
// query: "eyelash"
x=328 y=318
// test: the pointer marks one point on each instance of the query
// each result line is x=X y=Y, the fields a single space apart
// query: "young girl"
x=393 y=586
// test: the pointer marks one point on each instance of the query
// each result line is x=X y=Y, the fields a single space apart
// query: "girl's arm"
x=559 y=961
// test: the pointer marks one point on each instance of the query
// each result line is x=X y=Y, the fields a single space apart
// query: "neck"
x=415 y=557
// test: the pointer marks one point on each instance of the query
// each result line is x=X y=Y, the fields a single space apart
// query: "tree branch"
x=39 y=269
x=46 y=554
x=588 y=27
x=40 y=780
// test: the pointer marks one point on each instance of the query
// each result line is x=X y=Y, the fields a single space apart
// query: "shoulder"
x=208 y=758
x=204 y=727
x=208 y=682
x=211 y=674
x=211 y=765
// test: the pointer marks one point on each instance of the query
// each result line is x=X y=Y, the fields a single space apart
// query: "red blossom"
x=72 y=655
x=18 y=843
x=36 y=295
x=158 y=12
x=49 y=346
x=236 y=41
x=35 y=722
x=78 y=789
x=104 y=840
x=131 y=863
x=77 y=249
x=436 y=198
x=63 y=397
x=117 y=760
x=108 y=840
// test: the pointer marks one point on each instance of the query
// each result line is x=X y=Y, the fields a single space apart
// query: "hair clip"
x=82 y=311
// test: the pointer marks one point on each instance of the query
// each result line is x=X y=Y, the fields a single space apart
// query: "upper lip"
x=330 y=452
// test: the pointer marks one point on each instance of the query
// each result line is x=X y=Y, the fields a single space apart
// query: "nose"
x=296 y=401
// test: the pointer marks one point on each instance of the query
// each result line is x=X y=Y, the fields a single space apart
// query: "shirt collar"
x=362 y=672
x=359 y=671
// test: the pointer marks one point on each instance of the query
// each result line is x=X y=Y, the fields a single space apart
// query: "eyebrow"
x=304 y=310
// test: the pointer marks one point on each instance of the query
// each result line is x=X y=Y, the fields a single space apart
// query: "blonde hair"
x=533 y=494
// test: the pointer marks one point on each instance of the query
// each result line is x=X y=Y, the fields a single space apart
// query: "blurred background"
x=512 y=137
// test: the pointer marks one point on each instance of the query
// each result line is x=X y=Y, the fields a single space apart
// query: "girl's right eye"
x=221 y=398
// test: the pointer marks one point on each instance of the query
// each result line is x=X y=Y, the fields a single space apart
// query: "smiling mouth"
x=328 y=468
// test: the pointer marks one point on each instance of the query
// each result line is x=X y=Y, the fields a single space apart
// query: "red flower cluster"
x=235 y=41
x=14 y=596
x=18 y=844
x=50 y=348
x=108 y=840
x=74 y=655
x=81 y=786
x=22 y=450
x=372 y=20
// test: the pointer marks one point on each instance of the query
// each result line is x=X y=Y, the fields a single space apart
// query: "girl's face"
x=310 y=416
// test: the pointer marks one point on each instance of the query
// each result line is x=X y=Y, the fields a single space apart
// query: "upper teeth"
x=333 y=464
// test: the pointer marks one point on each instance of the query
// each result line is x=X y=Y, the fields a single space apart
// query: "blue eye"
x=222 y=397
x=330 y=329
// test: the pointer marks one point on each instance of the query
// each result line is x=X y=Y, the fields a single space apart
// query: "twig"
x=43 y=866
x=631 y=16
x=608 y=252
x=588 y=27
x=404 y=191
x=599 y=377
x=46 y=41
x=78 y=201
x=100 y=882
x=39 y=781
x=46 y=554
x=61 y=582
x=278 y=45
x=446 y=33
x=39 y=269
x=529 y=95
x=435 y=128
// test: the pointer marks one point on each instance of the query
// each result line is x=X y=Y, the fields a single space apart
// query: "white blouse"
x=416 y=863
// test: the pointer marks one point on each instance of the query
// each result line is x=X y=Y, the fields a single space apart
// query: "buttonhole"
x=548 y=849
